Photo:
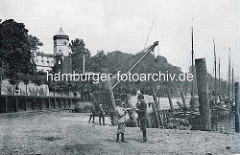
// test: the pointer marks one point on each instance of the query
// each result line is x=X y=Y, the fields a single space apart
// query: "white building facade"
x=61 y=50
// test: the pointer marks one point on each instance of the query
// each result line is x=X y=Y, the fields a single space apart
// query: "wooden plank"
x=180 y=105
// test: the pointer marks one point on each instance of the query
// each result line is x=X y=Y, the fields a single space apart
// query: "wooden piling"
x=108 y=86
x=55 y=101
x=25 y=107
x=49 y=103
x=16 y=104
x=204 y=106
x=42 y=106
x=183 y=100
x=237 y=107
x=180 y=105
x=33 y=104
x=6 y=105
x=156 y=108
x=170 y=100
x=155 y=114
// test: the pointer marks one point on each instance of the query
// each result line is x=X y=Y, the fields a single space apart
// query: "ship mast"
x=215 y=74
x=229 y=73
x=192 y=94
x=232 y=83
x=219 y=76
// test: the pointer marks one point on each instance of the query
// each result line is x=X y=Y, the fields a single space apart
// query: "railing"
x=15 y=103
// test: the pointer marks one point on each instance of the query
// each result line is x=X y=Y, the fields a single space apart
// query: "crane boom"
x=146 y=52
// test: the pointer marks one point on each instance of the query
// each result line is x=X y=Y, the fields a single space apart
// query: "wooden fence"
x=15 y=103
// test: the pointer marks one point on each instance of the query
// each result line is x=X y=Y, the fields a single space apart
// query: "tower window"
x=59 y=62
x=65 y=43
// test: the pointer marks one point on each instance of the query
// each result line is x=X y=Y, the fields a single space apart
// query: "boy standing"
x=101 y=114
x=142 y=115
x=121 y=117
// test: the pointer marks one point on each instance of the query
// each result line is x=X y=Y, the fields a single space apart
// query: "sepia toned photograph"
x=119 y=77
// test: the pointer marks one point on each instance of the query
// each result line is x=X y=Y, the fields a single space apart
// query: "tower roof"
x=61 y=35
x=61 y=32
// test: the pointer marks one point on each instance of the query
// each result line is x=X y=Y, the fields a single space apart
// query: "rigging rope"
x=143 y=48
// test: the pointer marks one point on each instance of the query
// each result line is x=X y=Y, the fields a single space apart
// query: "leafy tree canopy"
x=78 y=48
x=15 y=49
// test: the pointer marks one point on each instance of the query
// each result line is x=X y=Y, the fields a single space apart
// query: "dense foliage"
x=15 y=50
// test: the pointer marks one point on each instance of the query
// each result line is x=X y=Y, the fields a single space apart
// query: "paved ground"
x=67 y=133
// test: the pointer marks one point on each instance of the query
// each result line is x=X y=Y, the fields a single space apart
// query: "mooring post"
x=237 y=107
x=55 y=101
x=26 y=100
x=204 y=106
x=49 y=103
x=16 y=104
x=108 y=86
x=156 y=108
x=42 y=107
x=34 y=103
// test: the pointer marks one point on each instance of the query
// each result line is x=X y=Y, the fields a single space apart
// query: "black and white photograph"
x=119 y=77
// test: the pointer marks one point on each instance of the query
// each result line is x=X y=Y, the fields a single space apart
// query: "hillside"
x=119 y=61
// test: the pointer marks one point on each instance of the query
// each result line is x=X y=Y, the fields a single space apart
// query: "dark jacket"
x=142 y=112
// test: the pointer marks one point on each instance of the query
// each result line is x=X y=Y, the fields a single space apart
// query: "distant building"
x=44 y=62
x=60 y=60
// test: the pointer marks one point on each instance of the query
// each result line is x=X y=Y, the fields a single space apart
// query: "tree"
x=34 y=42
x=15 y=49
x=98 y=62
x=78 y=49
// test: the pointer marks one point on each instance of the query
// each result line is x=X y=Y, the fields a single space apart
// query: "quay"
x=70 y=133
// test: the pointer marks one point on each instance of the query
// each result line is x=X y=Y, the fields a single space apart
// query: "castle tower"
x=62 y=52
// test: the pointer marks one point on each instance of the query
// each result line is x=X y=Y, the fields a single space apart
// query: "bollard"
x=237 y=107
x=204 y=106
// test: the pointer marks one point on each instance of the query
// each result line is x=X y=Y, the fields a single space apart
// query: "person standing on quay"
x=142 y=115
x=101 y=114
x=93 y=113
x=121 y=117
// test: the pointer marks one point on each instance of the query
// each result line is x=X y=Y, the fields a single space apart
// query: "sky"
x=124 y=25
